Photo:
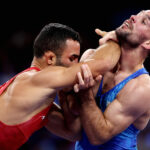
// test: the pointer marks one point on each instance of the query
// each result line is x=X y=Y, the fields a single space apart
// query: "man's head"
x=135 y=31
x=58 y=44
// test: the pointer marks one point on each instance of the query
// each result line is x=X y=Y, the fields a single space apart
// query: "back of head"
x=53 y=37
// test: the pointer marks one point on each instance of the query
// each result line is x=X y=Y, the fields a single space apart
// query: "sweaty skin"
x=33 y=91
x=128 y=107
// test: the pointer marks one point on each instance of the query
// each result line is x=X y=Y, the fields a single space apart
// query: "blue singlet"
x=126 y=140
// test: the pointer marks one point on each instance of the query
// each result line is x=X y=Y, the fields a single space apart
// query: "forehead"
x=144 y=12
x=147 y=11
x=71 y=46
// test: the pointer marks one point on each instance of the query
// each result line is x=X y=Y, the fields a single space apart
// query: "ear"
x=50 y=58
x=146 y=45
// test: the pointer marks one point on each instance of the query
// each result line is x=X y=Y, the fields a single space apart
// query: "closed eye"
x=74 y=57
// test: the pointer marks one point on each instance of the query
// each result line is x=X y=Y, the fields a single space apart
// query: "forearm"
x=57 y=125
x=102 y=60
x=69 y=108
x=93 y=121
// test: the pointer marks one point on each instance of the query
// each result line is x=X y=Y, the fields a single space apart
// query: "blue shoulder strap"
x=122 y=83
x=100 y=89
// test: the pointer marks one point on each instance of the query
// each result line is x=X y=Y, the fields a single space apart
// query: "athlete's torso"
x=16 y=126
x=110 y=80
x=112 y=88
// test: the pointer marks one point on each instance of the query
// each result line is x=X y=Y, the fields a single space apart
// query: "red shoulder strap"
x=5 y=85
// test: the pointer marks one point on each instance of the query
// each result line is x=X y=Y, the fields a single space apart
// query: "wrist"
x=87 y=97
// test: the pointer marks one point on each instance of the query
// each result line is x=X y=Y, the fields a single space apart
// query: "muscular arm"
x=68 y=118
x=121 y=113
x=103 y=59
x=66 y=128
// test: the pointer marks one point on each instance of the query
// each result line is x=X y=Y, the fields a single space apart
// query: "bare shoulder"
x=142 y=85
x=25 y=75
x=137 y=93
x=21 y=82
x=24 y=93
x=139 y=84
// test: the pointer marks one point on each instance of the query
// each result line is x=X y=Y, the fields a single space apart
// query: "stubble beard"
x=127 y=38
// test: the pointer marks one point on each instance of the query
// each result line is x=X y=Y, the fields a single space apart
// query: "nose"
x=133 y=18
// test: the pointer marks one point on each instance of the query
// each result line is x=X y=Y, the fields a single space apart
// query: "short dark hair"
x=53 y=37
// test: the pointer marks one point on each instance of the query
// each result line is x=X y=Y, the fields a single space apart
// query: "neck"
x=38 y=62
x=131 y=59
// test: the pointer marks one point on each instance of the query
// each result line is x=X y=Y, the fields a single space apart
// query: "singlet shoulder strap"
x=31 y=68
x=6 y=84
x=100 y=88
x=120 y=85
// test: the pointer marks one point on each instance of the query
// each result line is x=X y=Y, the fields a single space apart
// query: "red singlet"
x=13 y=136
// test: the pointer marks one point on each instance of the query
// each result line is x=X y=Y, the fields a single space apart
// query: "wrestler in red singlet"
x=13 y=136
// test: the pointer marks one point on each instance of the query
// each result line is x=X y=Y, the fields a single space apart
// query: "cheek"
x=136 y=33
x=76 y=60
x=142 y=35
x=69 y=62
x=141 y=30
x=66 y=62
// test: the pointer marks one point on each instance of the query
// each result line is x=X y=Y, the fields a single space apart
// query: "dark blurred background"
x=21 y=22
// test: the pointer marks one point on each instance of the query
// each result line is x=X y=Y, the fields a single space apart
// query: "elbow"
x=95 y=142
x=75 y=133
x=74 y=129
x=73 y=137
x=107 y=66
x=98 y=141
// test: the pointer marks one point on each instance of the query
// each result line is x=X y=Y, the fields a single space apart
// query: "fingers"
x=85 y=80
x=80 y=79
x=106 y=36
x=82 y=83
x=100 y=32
x=76 y=88
x=90 y=81
x=86 y=75
x=109 y=36
x=98 y=78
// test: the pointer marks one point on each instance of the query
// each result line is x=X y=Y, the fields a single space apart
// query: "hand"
x=68 y=103
x=106 y=36
x=100 y=32
x=87 y=80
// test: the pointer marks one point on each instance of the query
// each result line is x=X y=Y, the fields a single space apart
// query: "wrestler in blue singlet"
x=126 y=140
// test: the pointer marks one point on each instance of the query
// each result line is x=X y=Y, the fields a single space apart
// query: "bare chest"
x=17 y=109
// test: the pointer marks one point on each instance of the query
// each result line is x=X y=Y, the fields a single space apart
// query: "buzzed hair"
x=53 y=37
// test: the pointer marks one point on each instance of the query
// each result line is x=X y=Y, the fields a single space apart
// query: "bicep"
x=122 y=112
x=118 y=117
x=53 y=77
